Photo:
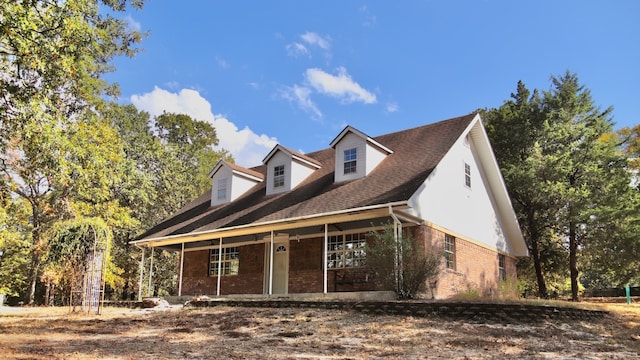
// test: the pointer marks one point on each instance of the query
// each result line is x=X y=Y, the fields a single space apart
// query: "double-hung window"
x=502 y=271
x=346 y=251
x=450 y=251
x=222 y=189
x=467 y=175
x=350 y=161
x=278 y=176
x=226 y=263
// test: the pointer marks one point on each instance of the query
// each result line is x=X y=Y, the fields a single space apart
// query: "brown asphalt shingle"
x=416 y=152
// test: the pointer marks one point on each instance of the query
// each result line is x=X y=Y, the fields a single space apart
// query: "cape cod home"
x=298 y=223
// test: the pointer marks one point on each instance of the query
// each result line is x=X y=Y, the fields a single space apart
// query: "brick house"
x=298 y=223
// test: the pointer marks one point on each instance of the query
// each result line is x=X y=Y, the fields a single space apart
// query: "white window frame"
x=350 y=161
x=502 y=270
x=467 y=175
x=229 y=263
x=222 y=189
x=278 y=176
x=346 y=251
x=450 y=251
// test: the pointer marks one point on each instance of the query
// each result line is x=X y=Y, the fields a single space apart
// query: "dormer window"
x=350 y=164
x=230 y=181
x=286 y=169
x=222 y=189
x=278 y=176
x=356 y=154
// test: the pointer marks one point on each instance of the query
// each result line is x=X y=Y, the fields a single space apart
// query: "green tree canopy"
x=565 y=173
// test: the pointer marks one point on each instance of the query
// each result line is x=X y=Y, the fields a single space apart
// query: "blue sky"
x=297 y=72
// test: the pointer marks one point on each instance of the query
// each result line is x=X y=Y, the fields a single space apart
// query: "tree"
x=52 y=57
x=75 y=177
x=581 y=162
x=515 y=130
x=567 y=184
x=612 y=260
x=54 y=52
x=14 y=248
x=400 y=263
x=168 y=161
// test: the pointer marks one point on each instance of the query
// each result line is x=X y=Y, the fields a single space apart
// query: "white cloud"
x=248 y=148
x=314 y=39
x=222 y=63
x=369 y=20
x=132 y=24
x=301 y=95
x=392 y=107
x=311 y=39
x=340 y=86
x=297 y=49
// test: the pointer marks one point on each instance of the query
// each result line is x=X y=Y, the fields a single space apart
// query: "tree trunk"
x=52 y=295
x=542 y=285
x=47 y=292
x=573 y=261
x=535 y=253
x=35 y=256
x=33 y=277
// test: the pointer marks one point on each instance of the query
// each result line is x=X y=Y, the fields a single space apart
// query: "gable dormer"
x=230 y=181
x=356 y=154
x=286 y=169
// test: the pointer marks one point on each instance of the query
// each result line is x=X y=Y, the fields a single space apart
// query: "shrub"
x=402 y=265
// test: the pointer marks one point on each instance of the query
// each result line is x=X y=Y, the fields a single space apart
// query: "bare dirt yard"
x=268 y=333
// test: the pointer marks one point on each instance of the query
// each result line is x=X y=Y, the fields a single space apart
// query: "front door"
x=280 y=268
x=280 y=264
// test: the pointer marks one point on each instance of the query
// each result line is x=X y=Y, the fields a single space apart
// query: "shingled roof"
x=416 y=152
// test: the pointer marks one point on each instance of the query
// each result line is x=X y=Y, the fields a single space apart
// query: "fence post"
x=627 y=290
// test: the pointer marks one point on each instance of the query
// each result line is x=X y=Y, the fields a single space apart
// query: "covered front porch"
x=305 y=257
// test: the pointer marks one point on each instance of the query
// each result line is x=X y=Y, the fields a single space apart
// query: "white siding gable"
x=445 y=200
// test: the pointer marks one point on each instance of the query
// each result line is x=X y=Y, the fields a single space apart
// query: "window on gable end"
x=278 y=176
x=467 y=175
x=222 y=189
x=350 y=161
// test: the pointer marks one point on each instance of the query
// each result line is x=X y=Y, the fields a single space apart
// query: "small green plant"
x=509 y=289
x=472 y=293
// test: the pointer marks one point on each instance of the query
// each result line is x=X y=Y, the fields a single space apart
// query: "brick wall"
x=305 y=266
x=476 y=270
x=196 y=279
x=476 y=267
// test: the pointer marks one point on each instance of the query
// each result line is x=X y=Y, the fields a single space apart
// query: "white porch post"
x=141 y=275
x=398 y=254
x=324 y=261
x=181 y=270
x=271 y=265
x=149 y=291
x=219 y=266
